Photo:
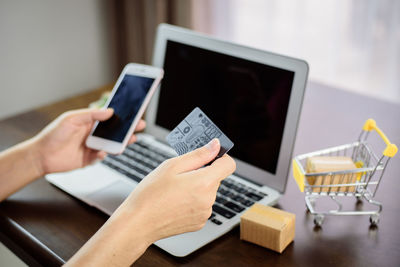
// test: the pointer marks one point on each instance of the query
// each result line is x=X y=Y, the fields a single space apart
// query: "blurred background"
x=51 y=50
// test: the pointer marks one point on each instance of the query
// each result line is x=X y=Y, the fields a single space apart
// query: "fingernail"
x=213 y=145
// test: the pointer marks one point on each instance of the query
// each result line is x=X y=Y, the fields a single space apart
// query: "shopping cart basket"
x=361 y=182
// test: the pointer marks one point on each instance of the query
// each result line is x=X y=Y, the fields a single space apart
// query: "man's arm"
x=19 y=166
x=175 y=198
x=58 y=147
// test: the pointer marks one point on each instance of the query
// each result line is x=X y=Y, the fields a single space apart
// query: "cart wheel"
x=312 y=204
x=318 y=220
x=307 y=209
x=374 y=219
x=359 y=200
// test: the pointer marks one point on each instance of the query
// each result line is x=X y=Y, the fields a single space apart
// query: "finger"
x=89 y=115
x=102 y=114
x=219 y=169
x=101 y=155
x=91 y=155
x=95 y=155
x=199 y=157
x=140 y=126
x=132 y=139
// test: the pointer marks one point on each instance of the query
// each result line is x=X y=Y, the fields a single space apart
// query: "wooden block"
x=332 y=164
x=268 y=227
x=349 y=179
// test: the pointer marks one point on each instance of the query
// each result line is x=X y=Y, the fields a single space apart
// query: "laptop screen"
x=247 y=100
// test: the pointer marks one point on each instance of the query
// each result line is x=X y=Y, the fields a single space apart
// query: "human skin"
x=176 y=197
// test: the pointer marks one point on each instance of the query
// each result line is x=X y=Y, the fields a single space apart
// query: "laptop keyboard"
x=234 y=197
x=139 y=159
x=136 y=161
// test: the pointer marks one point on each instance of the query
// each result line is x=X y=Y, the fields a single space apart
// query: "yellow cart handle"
x=391 y=149
x=298 y=175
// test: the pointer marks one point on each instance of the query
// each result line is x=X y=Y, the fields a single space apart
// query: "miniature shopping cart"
x=361 y=182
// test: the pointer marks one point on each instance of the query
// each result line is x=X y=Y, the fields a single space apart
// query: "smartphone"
x=129 y=98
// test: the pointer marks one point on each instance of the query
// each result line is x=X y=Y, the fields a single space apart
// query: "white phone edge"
x=114 y=147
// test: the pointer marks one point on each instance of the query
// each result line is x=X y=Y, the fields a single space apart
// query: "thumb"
x=199 y=157
x=88 y=115
x=102 y=114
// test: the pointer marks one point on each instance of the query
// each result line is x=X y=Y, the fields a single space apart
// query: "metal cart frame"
x=361 y=182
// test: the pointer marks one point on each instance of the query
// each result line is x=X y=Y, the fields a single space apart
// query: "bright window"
x=349 y=44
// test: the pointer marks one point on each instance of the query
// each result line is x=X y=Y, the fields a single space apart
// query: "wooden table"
x=44 y=226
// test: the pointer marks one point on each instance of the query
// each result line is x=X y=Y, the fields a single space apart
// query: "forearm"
x=19 y=166
x=119 y=242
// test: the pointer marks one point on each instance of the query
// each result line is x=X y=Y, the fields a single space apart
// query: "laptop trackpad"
x=110 y=197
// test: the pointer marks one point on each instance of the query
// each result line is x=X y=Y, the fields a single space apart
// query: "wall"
x=50 y=50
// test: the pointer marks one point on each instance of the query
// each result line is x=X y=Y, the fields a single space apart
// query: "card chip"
x=195 y=131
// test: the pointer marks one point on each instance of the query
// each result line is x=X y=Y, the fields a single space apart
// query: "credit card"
x=195 y=131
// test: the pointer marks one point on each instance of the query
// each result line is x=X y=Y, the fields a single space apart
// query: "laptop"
x=253 y=96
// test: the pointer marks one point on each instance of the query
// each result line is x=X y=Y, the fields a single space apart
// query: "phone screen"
x=126 y=103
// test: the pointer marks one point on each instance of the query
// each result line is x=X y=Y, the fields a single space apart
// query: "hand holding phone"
x=129 y=98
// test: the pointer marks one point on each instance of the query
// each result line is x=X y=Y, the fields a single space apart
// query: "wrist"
x=132 y=234
x=120 y=241
x=134 y=220
x=34 y=156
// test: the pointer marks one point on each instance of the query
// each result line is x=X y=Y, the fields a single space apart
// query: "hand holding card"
x=195 y=131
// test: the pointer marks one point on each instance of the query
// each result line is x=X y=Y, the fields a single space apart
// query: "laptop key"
x=222 y=191
x=227 y=184
x=223 y=212
x=235 y=187
x=107 y=163
x=254 y=196
x=230 y=180
x=230 y=195
x=161 y=153
x=211 y=216
x=140 y=160
x=227 y=193
x=143 y=145
x=247 y=202
x=129 y=165
x=122 y=171
x=241 y=190
x=145 y=154
x=217 y=222
x=233 y=206
x=150 y=166
x=136 y=163
x=262 y=194
x=134 y=177
x=238 y=198
x=221 y=200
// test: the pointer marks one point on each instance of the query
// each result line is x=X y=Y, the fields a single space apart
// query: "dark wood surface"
x=43 y=225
